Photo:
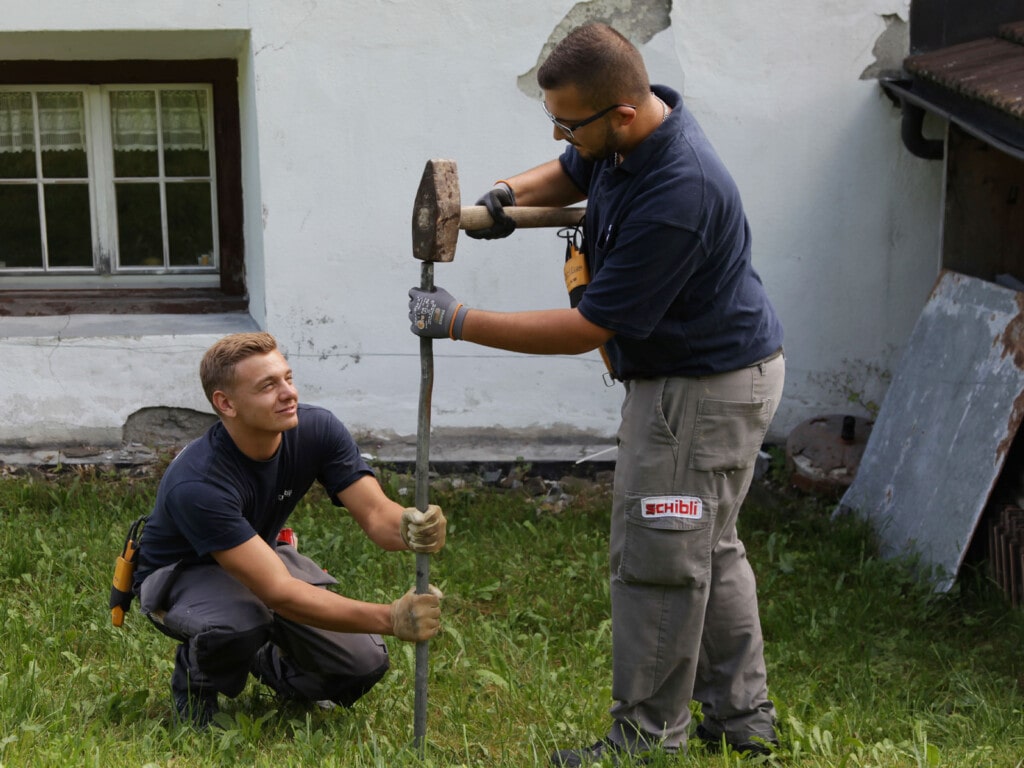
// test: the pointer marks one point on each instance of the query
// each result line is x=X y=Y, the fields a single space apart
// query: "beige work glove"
x=424 y=532
x=416 y=617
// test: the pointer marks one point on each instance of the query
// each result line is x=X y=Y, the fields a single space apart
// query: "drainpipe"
x=913 y=136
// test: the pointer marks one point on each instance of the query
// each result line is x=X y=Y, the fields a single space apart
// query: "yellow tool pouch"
x=577 y=277
x=576 y=271
x=124 y=572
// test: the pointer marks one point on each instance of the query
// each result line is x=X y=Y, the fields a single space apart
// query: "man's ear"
x=626 y=116
x=222 y=402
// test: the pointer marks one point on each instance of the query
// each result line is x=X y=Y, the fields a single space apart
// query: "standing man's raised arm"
x=546 y=185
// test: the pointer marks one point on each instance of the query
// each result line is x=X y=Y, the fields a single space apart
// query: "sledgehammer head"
x=436 y=212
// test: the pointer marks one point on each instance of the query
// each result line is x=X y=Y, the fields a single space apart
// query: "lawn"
x=866 y=666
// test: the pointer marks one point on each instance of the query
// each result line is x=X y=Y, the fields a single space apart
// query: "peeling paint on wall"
x=638 y=21
x=891 y=47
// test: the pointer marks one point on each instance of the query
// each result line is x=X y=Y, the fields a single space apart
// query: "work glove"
x=495 y=200
x=416 y=617
x=424 y=531
x=435 y=314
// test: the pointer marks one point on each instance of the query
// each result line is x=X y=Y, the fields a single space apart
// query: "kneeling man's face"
x=263 y=396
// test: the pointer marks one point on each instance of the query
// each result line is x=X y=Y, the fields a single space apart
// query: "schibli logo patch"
x=689 y=507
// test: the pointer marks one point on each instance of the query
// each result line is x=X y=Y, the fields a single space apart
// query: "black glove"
x=495 y=200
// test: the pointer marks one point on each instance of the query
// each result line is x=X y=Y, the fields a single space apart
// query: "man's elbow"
x=588 y=336
x=281 y=595
x=582 y=346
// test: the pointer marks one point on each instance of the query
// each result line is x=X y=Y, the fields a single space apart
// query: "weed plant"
x=867 y=666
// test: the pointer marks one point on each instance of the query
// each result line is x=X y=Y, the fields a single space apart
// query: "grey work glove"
x=416 y=617
x=435 y=314
x=495 y=200
x=424 y=531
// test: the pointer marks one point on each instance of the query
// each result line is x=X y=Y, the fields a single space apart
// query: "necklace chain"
x=664 y=117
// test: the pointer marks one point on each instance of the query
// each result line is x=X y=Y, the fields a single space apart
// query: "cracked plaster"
x=890 y=48
x=638 y=21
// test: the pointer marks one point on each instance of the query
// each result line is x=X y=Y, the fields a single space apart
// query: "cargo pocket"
x=667 y=539
x=727 y=435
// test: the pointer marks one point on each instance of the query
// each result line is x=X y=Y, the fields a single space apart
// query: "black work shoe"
x=197 y=710
x=753 y=746
x=603 y=751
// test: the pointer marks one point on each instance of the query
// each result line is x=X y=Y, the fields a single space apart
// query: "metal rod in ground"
x=422 y=499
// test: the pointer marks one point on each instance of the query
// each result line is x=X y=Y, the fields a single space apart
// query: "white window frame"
x=106 y=272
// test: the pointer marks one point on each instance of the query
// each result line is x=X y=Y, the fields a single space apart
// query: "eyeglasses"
x=568 y=129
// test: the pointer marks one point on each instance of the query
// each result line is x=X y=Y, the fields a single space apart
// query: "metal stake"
x=422 y=494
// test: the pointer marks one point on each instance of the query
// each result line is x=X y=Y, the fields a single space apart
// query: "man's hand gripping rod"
x=437 y=217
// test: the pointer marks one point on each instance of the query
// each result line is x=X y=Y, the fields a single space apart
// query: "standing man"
x=688 y=329
x=213 y=576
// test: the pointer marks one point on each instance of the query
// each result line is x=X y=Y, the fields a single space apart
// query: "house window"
x=120 y=191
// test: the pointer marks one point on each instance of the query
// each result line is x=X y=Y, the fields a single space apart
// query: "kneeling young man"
x=213 y=576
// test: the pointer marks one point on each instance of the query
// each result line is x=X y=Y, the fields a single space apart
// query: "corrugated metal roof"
x=989 y=70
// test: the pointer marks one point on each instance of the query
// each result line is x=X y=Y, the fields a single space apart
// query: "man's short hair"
x=605 y=67
x=217 y=369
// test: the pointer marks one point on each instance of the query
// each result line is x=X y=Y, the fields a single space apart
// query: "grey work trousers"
x=685 y=621
x=226 y=632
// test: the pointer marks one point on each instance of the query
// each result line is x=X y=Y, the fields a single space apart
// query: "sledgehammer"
x=437 y=217
x=438 y=214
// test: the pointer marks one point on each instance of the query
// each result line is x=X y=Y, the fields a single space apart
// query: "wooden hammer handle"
x=477 y=217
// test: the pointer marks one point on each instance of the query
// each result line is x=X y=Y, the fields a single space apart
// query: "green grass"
x=866 y=666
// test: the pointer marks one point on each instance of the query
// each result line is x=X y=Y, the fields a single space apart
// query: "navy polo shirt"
x=668 y=247
x=213 y=497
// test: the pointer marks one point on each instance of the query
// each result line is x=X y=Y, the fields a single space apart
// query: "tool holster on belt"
x=124 y=572
x=577 y=277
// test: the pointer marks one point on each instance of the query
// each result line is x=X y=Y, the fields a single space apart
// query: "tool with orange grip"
x=124 y=571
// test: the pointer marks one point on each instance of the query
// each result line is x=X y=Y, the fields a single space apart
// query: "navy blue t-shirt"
x=668 y=247
x=213 y=497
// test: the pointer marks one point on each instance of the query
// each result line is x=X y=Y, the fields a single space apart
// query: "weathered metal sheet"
x=946 y=424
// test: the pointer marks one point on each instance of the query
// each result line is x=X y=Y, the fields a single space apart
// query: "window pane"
x=20 y=244
x=140 y=242
x=184 y=118
x=65 y=164
x=68 y=230
x=189 y=225
x=62 y=134
x=17 y=136
x=133 y=119
x=18 y=165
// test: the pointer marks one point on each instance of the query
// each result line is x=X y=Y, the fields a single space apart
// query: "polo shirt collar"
x=662 y=135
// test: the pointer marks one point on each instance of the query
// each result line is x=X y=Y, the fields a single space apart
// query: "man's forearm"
x=306 y=604
x=538 y=332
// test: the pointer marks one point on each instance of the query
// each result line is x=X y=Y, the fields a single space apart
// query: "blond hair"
x=217 y=369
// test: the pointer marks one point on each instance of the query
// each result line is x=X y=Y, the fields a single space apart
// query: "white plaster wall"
x=342 y=103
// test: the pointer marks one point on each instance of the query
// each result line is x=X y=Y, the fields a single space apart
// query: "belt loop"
x=764 y=361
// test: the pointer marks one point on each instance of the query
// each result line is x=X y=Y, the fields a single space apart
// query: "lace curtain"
x=133 y=120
